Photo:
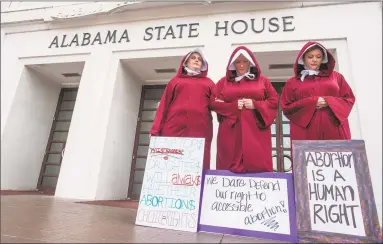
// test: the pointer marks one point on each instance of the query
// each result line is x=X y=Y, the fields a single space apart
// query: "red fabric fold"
x=299 y=100
x=244 y=136
x=184 y=109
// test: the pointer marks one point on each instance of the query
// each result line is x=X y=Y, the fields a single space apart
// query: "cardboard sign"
x=170 y=194
x=256 y=205
x=333 y=193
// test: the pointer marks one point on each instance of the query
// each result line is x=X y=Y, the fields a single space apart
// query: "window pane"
x=54 y=158
x=57 y=147
x=287 y=161
x=67 y=105
x=137 y=188
x=70 y=95
x=144 y=139
x=146 y=126
x=62 y=126
x=154 y=94
x=140 y=163
x=273 y=141
x=286 y=129
x=142 y=150
x=286 y=142
x=148 y=115
x=65 y=115
x=50 y=181
x=275 y=165
x=273 y=129
x=52 y=170
x=60 y=136
x=149 y=104
x=139 y=175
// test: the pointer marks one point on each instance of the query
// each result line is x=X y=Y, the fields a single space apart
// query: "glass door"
x=57 y=139
x=280 y=137
x=150 y=99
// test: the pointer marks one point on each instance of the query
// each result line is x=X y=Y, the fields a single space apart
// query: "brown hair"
x=312 y=49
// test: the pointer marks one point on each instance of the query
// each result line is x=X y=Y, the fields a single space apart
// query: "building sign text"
x=177 y=31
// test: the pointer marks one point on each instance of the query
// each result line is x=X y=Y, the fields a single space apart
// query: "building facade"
x=80 y=82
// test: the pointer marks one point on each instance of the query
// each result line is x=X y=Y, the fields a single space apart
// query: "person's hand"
x=219 y=100
x=248 y=103
x=321 y=103
x=240 y=104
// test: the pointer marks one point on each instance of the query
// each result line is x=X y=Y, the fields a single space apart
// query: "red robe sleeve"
x=342 y=105
x=266 y=110
x=227 y=110
x=299 y=112
x=165 y=101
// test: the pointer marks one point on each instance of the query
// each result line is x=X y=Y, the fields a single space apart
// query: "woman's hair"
x=185 y=62
x=312 y=49
x=253 y=71
x=323 y=66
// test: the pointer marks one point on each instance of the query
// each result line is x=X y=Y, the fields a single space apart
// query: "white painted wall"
x=27 y=130
x=113 y=180
x=365 y=49
x=85 y=143
x=357 y=25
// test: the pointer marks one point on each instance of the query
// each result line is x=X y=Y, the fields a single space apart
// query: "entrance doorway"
x=55 y=149
x=150 y=98
x=280 y=137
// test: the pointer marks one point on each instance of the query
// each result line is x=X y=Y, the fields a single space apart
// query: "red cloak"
x=184 y=109
x=244 y=136
x=299 y=99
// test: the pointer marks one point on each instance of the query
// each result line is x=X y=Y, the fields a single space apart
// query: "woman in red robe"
x=317 y=100
x=184 y=107
x=246 y=104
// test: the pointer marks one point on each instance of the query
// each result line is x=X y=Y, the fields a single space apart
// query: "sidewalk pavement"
x=47 y=219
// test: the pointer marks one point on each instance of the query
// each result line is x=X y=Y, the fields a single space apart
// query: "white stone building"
x=87 y=77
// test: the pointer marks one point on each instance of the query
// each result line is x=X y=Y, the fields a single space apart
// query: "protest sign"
x=170 y=194
x=256 y=205
x=333 y=193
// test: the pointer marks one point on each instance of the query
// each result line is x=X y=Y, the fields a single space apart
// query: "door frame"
x=279 y=133
x=133 y=168
x=39 y=186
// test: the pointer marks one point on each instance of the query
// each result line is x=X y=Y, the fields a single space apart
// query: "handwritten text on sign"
x=172 y=182
x=333 y=193
x=248 y=203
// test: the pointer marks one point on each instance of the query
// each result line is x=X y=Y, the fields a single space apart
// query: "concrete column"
x=29 y=116
x=12 y=70
x=217 y=55
x=81 y=164
x=113 y=179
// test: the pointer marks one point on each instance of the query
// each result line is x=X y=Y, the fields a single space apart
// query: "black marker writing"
x=211 y=180
x=271 y=223
x=266 y=214
x=328 y=159
x=332 y=192
x=335 y=214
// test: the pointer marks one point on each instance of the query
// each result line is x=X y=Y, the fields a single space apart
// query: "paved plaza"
x=46 y=219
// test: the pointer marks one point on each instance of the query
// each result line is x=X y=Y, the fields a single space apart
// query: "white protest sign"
x=256 y=205
x=333 y=193
x=171 y=186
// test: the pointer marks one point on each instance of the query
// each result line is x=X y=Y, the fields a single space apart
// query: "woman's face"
x=194 y=62
x=241 y=65
x=313 y=59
